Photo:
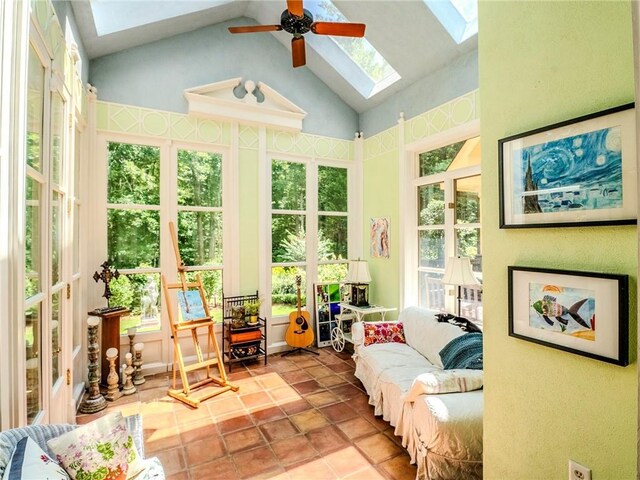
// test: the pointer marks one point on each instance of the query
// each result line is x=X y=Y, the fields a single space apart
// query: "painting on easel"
x=191 y=306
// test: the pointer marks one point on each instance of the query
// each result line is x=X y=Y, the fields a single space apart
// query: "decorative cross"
x=106 y=276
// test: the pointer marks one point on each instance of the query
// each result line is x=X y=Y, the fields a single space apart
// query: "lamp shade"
x=358 y=272
x=458 y=272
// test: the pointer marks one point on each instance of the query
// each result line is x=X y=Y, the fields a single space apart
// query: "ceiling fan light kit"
x=297 y=21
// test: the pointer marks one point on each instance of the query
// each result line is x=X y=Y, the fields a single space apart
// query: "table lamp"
x=458 y=272
x=359 y=278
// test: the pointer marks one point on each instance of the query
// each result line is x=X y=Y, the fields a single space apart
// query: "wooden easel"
x=187 y=394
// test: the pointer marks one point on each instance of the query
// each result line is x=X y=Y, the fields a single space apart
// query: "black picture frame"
x=583 y=173
x=542 y=310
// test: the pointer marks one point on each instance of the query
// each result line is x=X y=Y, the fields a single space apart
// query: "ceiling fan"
x=298 y=21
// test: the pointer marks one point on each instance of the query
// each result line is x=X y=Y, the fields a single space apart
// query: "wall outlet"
x=578 y=472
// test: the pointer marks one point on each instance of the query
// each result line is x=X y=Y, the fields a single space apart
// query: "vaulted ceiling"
x=406 y=33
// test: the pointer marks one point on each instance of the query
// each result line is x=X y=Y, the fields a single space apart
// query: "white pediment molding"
x=260 y=105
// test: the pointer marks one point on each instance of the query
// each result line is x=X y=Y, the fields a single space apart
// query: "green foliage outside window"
x=438 y=160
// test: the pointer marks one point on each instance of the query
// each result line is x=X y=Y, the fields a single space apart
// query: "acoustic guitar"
x=299 y=334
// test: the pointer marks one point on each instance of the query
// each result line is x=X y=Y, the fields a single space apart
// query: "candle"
x=93 y=321
x=131 y=331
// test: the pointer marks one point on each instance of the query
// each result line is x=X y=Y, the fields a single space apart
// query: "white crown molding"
x=217 y=100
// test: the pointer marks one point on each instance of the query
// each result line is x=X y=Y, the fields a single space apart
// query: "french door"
x=47 y=332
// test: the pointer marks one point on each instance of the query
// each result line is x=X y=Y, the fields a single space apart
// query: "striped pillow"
x=30 y=461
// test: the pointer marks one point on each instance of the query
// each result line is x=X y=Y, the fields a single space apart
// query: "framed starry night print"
x=575 y=173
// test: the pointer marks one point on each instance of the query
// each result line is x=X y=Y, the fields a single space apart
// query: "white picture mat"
x=626 y=121
x=606 y=311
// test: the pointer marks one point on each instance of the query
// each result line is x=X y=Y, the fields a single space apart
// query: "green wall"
x=381 y=199
x=249 y=208
x=541 y=63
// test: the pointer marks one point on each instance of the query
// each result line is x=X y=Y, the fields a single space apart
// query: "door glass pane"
x=33 y=363
x=78 y=314
x=76 y=238
x=199 y=179
x=284 y=291
x=76 y=164
x=288 y=185
x=56 y=231
x=332 y=189
x=56 y=337
x=57 y=136
x=468 y=199
x=288 y=238
x=32 y=238
x=140 y=293
x=212 y=284
x=133 y=238
x=35 y=107
x=468 y=245
x=332 y=238
x=431 y=204
x=134 y=174
x=200 y=237
x=431 y=248
x=332 y=272
x=432 y=290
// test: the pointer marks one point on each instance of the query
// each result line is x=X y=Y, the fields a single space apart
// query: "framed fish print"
x=575 y=173
x=579 y=312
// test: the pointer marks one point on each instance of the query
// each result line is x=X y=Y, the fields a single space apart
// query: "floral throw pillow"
x=100 y=450
x=383 y=332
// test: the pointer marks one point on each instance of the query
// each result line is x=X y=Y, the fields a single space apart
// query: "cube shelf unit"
x=327 y=298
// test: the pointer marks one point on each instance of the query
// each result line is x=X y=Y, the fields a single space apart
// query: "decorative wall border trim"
x=310 y=145
x=459 y=111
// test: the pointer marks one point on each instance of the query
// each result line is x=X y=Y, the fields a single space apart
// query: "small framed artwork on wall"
x=575 y=173
x=380 y=237
x=584 y=313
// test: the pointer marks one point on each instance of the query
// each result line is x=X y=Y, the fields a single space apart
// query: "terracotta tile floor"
x=300 y=417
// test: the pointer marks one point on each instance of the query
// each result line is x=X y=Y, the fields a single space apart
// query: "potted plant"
x=252 y=309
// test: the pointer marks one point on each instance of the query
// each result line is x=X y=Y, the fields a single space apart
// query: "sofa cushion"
x=424 y=333
x=383 y=332
x=105 y=447
x=463 y=352
x=28 y=460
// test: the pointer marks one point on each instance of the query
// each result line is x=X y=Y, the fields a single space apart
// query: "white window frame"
x=409 y=205
x=279 y=324
x=158 y=355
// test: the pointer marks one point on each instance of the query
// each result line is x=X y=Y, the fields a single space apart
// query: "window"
x=288 y=234
x=458 y=17
x=133 y=228
x=333 y=222
x=200 y=221
x=309 y=228
x=135 y=212
x=448 y=222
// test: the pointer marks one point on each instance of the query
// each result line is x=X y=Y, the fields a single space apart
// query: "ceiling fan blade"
x=255 y=28
x=338 y=29
x=298 y=52
x=295 y=7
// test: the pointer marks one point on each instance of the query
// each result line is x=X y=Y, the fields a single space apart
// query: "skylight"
x=112 y=16
x=458 y=17
x=379 y=73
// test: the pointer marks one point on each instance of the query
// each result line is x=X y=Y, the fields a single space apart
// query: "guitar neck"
x=299 y=303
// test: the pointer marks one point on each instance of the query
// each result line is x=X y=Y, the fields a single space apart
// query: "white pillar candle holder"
x=113 y=393
x=138 y=377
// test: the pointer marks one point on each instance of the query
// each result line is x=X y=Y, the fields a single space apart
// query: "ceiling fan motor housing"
x=296 y=25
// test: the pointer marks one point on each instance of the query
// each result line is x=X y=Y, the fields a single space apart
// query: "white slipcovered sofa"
x=441 y=431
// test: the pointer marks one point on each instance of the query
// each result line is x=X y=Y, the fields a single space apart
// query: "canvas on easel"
x=192 y=314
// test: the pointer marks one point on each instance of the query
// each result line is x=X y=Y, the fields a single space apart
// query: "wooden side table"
x=110 y=337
